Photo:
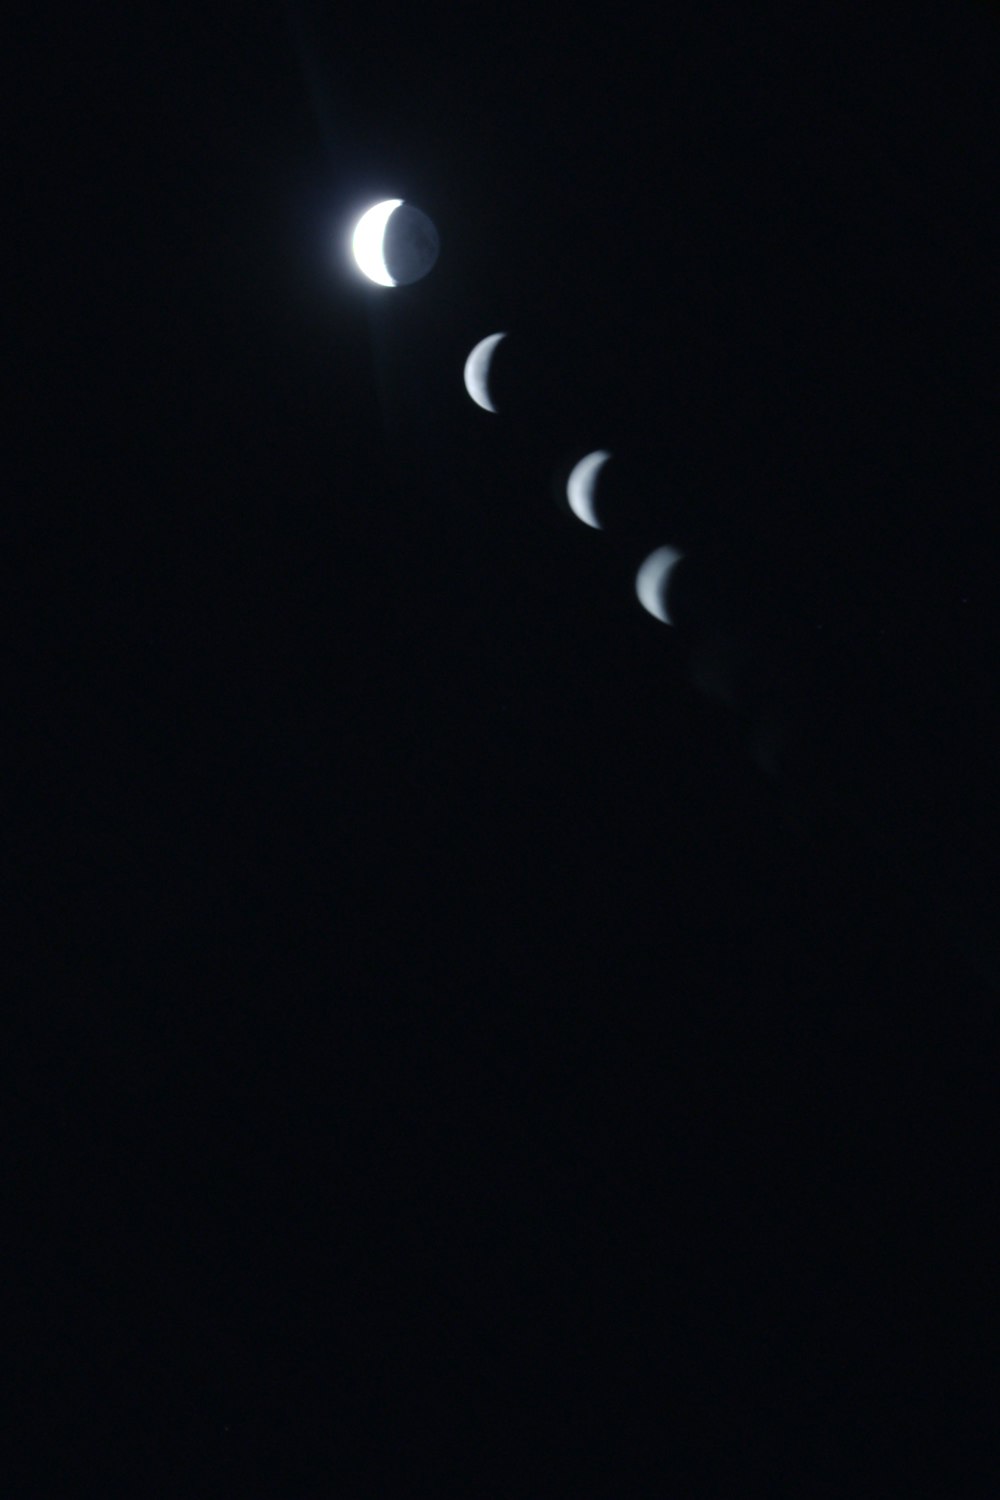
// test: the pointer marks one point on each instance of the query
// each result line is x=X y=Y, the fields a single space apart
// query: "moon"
x=581 y=484
x=477 y=370
x=368 y=238
x=652 y=579
x=394 y=243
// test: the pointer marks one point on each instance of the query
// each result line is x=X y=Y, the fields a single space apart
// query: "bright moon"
x=477 y=370
x=581 y=485
x=394 y=243
x=369 y=237
x=652 y=579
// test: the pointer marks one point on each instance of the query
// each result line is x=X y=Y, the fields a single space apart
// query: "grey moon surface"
x=582 y=485
x=477 y=370
x=410 y=244
x=652 y=581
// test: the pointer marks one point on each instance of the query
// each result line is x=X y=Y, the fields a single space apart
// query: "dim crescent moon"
x=368 y=241
x=477 y=370
x=581 y=485
x=652 y=579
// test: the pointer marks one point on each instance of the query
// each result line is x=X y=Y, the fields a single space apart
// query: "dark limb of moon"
x=410 y=246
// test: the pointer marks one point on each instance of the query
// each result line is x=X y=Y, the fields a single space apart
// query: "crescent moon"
x=477 y=370
x=581 y=485
x=368 y=240
x=652 y=579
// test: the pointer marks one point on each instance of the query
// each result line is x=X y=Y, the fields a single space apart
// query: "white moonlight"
x=652 y=580
x=581 y=485
x=366 y=243
x=477 y=370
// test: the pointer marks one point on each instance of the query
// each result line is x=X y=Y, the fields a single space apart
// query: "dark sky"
x=476 y=1038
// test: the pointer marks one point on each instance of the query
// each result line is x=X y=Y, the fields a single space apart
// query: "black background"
x=473 y=1037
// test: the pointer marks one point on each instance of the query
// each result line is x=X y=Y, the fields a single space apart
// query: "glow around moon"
x=368 y=241
x=652 y=580
x=582 y=484
x=477 y=370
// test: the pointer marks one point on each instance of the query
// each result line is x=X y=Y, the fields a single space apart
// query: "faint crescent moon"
x=652 y=579
x=368 y=241
x=581 y=484
x=477 y=370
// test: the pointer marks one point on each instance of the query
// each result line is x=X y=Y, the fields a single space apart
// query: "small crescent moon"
x=581 y=484
x=477 y=370
x=652 y=579
x=369 y=238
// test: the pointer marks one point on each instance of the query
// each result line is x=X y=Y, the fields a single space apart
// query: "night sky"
x=474 y=1038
